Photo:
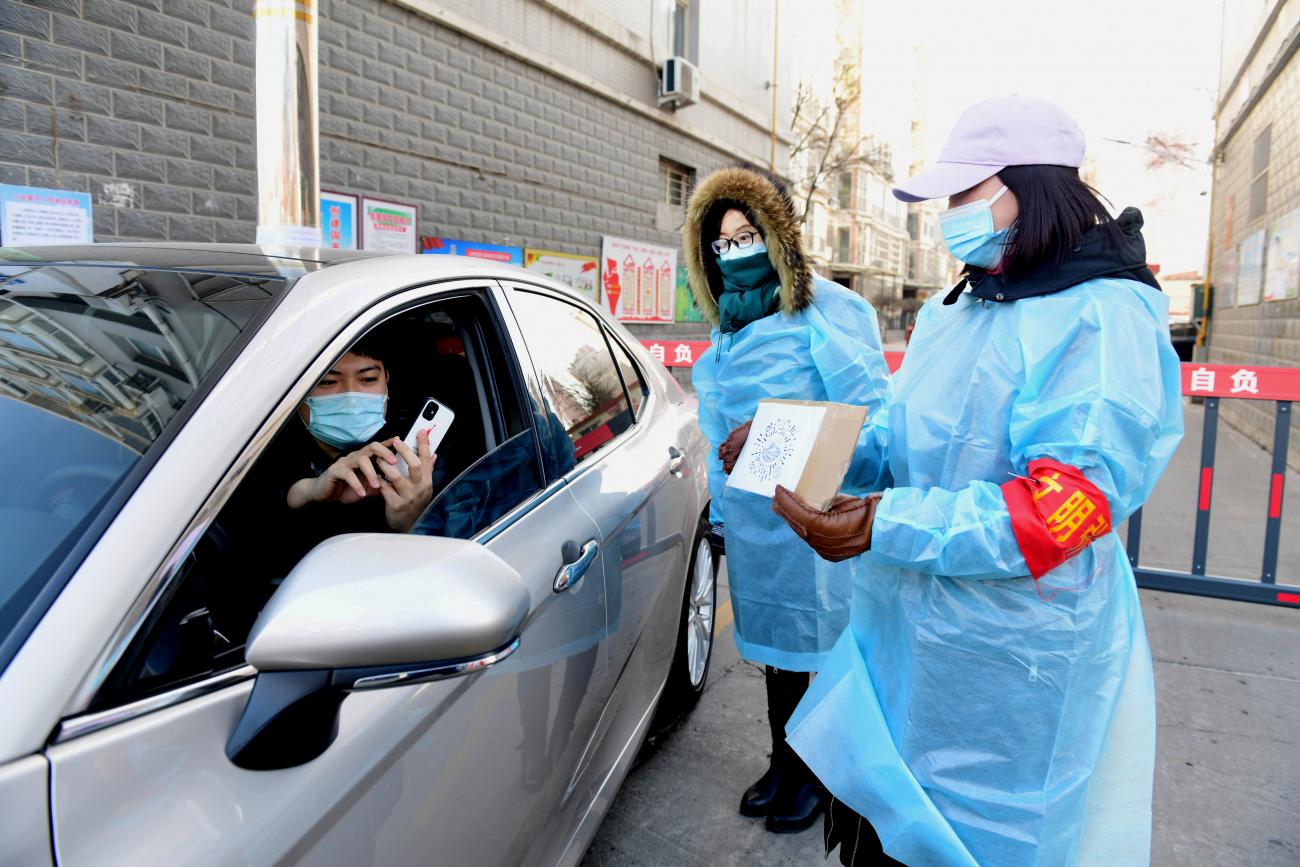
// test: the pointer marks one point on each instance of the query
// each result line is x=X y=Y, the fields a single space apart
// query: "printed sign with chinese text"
x=1250 y=269
x=684 y=353
x=579 y=273
x=1282 y=259
x=473 y=249
x=338 y=221
x=639 y=280
x=388 y=227
x=1252 y=382
x=32 y=215
x=677 y=353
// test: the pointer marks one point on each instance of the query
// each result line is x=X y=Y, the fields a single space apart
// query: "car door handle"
x=675 y=460
x=578 y=562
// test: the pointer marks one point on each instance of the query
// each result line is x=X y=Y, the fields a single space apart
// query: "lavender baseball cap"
x=991 y=135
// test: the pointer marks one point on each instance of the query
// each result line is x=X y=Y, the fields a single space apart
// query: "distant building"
x=866 y=233
x=1254 y=249
x=858 y=233
x=930 y=268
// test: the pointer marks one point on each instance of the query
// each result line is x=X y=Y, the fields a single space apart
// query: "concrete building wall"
x=1261 y=92
x=521 y=122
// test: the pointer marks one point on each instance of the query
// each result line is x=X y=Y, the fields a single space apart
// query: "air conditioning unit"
x=679 y=83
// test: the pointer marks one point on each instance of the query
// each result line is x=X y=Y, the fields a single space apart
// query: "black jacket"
x=1098 y=254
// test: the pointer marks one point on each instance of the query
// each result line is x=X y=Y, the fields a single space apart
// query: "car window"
x=632 y=379
x=448 y=350
x=508 y=473
x=572 y=359
x=494 y=485
x=95 y=364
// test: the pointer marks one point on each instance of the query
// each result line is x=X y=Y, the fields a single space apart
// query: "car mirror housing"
x=369 y=611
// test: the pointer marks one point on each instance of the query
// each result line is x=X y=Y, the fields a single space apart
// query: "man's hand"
x=729 y=451
x=840 y=532
x=407 y=496
x=349 y=479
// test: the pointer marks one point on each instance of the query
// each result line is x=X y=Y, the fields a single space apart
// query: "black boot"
x=757 y=800
x=800 y=798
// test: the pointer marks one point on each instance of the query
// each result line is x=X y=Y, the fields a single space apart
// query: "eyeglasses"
x=741 y=241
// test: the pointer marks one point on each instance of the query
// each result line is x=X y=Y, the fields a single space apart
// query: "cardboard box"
x=804 y=445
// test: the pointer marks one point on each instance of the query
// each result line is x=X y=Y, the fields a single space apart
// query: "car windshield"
x=95 y=363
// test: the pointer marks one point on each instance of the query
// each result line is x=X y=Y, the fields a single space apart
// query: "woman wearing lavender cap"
x=991 y=701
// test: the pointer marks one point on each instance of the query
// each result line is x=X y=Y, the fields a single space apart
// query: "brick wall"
x=1267 y=333
x=149 y=112
x=148 y=105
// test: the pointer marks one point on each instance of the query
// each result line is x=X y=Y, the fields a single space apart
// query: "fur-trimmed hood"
x=773 y=214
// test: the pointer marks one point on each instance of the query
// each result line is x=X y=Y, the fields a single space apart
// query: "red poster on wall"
x=639 y=280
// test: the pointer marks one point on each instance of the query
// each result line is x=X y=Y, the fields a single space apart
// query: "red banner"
x=1205 y=380
x=1248 y=381
x=684 y=353
x=677 y=353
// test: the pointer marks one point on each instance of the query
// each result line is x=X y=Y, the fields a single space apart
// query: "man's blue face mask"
x=345 y=419
x=968 y=231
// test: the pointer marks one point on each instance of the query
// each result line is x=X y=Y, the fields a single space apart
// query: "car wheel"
x=695 y=626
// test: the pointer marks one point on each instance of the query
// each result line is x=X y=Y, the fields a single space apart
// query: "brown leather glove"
x=840 y=532
x=729 y=451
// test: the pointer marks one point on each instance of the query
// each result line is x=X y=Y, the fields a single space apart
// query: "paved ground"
x=1227 y=789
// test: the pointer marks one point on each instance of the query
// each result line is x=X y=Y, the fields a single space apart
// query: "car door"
x=476 y=770
x=631 y=476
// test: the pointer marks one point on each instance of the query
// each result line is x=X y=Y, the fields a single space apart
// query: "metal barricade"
x=1214 y=382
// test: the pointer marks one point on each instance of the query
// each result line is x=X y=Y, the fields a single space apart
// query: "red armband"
x=1055 y=513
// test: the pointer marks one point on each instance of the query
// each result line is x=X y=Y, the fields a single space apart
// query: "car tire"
x=699 y=608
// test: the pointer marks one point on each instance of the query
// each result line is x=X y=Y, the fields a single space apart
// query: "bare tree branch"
x=822 y=134
x=1168 y=149
x=814 y=129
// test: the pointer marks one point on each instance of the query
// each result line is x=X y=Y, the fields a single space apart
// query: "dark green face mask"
x=751 y=289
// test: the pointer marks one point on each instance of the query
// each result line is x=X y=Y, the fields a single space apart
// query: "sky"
x=1125 y=69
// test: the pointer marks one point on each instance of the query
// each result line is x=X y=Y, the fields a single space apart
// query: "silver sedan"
x=196 y=669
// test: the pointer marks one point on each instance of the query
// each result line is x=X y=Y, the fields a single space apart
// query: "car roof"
x=181 y=256
x=260 y=260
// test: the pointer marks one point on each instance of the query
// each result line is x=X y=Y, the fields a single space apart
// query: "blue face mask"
x=345 y=419
x=968 y=231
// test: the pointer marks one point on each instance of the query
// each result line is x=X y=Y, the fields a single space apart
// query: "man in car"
x=332 y=470
x=351 y=459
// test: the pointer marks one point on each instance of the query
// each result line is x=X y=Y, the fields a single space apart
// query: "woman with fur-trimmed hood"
x=780 y=331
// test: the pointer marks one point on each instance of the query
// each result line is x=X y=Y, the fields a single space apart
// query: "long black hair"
x=1056 y=209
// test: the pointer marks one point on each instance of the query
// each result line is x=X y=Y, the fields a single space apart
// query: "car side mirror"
x=369 y=611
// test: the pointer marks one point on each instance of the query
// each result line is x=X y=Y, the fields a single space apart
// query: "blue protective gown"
x=790 y=605
x=972 y=716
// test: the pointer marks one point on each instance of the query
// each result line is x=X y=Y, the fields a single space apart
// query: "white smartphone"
x=435 y=418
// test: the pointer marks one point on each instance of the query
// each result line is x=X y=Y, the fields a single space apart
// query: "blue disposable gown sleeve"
x=715 y=430
x=1103 y=397
x=848 y=356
